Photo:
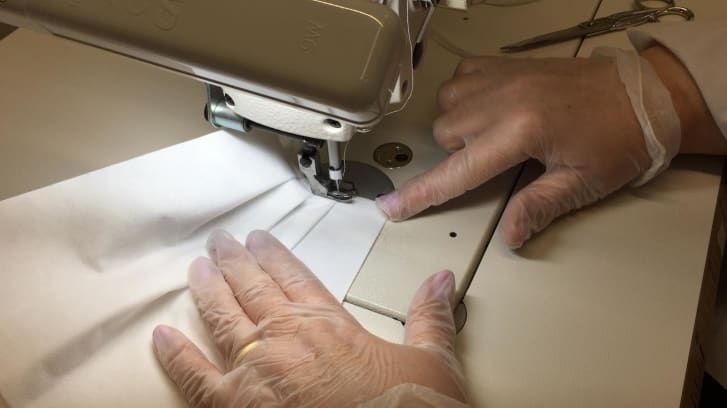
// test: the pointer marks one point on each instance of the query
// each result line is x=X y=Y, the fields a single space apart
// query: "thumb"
x=430 y=322
x=554 y=194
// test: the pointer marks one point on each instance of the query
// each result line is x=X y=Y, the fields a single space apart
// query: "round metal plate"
x=369 y=181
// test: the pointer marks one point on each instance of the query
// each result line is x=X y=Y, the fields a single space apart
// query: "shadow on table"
x=5 y=30
x=713 y=395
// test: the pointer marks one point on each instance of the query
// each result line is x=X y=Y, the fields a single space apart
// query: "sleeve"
x=702 y=48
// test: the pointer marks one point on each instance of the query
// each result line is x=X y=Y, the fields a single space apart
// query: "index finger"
x=459 y=88
x=466 y=169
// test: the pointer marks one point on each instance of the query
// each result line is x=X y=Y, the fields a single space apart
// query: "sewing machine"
x=585 y=315
x=329 y=72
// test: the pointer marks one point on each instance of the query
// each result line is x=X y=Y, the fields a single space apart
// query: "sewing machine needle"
x=334 y=164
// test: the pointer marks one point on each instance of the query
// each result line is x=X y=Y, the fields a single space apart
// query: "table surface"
x=597 y=311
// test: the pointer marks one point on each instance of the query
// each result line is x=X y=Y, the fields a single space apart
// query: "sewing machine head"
x=321 y=71
x=268 y=65
x=350 y=63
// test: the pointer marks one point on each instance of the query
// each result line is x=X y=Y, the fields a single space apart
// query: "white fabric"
x=90 y=265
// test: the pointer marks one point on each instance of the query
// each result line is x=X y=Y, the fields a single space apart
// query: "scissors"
x=615 y=22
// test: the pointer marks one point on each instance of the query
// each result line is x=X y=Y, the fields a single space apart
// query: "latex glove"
x=287 y=342
x=575 y=116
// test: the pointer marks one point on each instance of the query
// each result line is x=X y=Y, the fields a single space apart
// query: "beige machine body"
x=341 y=58
x=318 y=70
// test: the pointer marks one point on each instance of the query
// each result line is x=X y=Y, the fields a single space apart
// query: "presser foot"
x=310 y=165
x=342 y=192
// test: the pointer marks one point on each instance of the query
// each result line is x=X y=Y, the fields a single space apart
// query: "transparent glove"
x=288 y=342
x=595 y=124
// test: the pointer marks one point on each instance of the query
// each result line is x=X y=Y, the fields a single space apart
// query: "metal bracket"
x=219 y=115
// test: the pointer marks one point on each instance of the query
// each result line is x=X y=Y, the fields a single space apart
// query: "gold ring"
x=244 y=352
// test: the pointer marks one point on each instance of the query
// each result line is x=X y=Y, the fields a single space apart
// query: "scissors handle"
x=626 y=19
x=643 y=14
x=639 y=17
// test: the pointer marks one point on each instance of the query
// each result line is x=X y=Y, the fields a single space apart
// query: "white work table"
x=599 y=310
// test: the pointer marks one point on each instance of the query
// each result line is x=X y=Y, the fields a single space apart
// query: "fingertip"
x=430 y=320
x=259 y=239
x=466 y=66
x=440 y=128
x=390 y=205
x=201 y=270
x=221 y=235
x=442 y=134
x=515 y=243
x=221 y=245
x=161 y=336
x=447 y=96
x=444 y=283
x=440 y=285
x=512 y=235
x=445 y=136
x=515 y=226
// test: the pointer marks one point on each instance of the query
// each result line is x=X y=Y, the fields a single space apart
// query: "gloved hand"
x=287 y=341
x=596 y=124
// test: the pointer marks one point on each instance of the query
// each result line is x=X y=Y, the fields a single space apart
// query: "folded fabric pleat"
x=91 y=265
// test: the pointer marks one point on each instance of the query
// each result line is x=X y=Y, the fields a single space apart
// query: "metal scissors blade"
x=615 y=22
x=546 y=39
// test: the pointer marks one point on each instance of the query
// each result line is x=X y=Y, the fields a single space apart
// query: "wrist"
x=700 y=134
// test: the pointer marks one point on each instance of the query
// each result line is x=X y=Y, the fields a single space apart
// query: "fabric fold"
x=91 y=265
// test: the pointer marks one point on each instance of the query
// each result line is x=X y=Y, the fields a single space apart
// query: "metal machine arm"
x=318 y=69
